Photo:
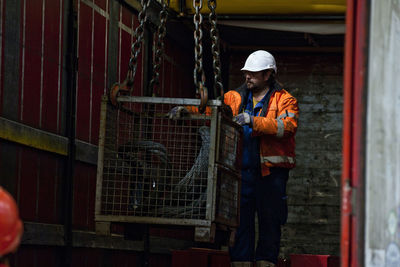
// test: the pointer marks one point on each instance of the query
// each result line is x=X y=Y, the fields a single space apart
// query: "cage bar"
x=153 y=169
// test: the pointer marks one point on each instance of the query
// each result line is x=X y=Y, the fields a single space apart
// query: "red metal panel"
x=84 y=73
x=200 y=257
x=2 y=18
x=91 y=171
x=124 y=258
x=46 y=257
x=168 y=70
x=81 y=196
x=179 y=82
x=305 y=260
x=47 y=189
x=94 y=257
x=99 y=72
x=177 y=232
x=38 y=180
x=84 y=196
x=85 y=257
x=167 y=81
x=25 y=256
x=28 y=188
x=102 y=4
x=52 y=65
x=157 y=260
x=38 y=176
x=126 y=17
x=353 y=128
x=358 y=138
x=129 y=22
x=183 y=258
x=31 y=62
x=124 y=51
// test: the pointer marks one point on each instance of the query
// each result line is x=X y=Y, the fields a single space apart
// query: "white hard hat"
x=260 y=60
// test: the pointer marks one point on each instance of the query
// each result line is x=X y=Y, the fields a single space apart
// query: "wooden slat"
x=53 y=235
x=42 y=140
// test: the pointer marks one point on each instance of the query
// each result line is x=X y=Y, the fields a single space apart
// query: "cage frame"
x=204 y=228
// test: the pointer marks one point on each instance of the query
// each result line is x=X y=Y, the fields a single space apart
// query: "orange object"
x=276 y=128
x=10 y=224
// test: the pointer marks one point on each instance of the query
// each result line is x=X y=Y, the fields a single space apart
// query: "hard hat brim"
x=256 y=69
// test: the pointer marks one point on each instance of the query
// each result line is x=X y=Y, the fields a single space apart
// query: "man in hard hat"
x=269 y=117
x=10 y=226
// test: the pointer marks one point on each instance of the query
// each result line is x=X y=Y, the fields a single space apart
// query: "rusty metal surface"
x=153 y=169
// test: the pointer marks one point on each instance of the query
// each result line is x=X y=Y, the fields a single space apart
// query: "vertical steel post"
x=353 y=176
x=71 y=74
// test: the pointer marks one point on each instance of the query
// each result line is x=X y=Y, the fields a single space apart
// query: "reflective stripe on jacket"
x=276 y=128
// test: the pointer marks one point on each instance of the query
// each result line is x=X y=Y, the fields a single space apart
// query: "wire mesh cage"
x=153 y=169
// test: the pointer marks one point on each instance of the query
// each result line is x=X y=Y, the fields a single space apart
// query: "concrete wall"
x=314 y=185
x=383 y=132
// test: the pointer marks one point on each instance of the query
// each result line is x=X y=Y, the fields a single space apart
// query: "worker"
x=268 y=115
x=10 y=226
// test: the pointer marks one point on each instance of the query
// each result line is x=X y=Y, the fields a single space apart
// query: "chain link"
x=218 y=86
x=161 y=32
x=198 y=72
x=137 y=45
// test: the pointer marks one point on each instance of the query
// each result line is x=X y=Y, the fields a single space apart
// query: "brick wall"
x=314 y=186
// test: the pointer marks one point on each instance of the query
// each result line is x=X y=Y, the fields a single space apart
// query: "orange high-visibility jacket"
x=276 y=128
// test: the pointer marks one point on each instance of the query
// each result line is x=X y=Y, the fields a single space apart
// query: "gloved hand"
x=177 y=112
x=243 y=119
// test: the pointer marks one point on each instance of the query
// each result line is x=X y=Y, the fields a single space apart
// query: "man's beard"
x=253 y=87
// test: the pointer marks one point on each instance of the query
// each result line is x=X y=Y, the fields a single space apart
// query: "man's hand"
x=243 y=119
x=177 y=112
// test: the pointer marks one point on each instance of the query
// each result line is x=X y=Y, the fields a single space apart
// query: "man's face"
x=256 y=80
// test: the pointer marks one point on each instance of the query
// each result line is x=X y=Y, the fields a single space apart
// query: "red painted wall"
x=38 y=176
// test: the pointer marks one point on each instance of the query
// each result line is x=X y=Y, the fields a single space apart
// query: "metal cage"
x=156 y=170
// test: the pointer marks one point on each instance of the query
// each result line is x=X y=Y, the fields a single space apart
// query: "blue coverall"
x=264 y=195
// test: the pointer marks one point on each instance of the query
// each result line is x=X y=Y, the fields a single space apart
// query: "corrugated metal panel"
x=84 y=79
x=84 y=196
x=31 y=63
x=37 y=98
x=45 y=256
x=39 y=182
x=36 y=256
x=176 y=74
x=41 y=61
x=2 y=18
x=52 y=65
x=127 y=24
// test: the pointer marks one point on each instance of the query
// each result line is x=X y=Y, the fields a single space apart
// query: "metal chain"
x=137 y=45
x=218 y=86
x=127 y=85
x=198 y=73
x=161 y=32
x=198 y=49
